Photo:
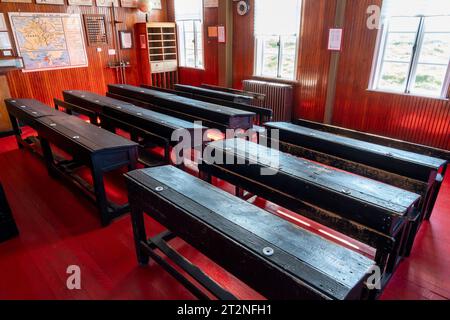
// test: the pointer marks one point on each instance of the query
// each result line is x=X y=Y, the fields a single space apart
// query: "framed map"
x=57 y=2
x=48 y=41
x=128 y=3
x=80 y=2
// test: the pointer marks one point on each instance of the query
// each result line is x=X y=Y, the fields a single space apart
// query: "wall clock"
x=243 y=8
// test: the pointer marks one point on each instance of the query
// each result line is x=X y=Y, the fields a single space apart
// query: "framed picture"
x=126 y=39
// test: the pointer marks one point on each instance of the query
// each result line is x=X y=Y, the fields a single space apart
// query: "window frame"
x=199 y=48
x=259 y=45
x=379 y=59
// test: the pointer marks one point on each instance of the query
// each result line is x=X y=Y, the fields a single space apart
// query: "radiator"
x=279 y=97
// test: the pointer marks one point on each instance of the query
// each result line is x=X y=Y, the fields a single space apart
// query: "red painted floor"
x=60 y=228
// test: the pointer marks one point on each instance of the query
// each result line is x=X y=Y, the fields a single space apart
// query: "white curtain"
x=277 y=17
x=188 y=10
x=410 y=8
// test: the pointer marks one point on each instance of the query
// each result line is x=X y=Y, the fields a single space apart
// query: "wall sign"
x=18 y=1
x=335 y=40
x=80 y=2
x=55 y=2
x=95 y=29
x=126 y=39
x=211 y=3
x=107 y=3
x=128 y=3
x=221 y=34
x=156 y=4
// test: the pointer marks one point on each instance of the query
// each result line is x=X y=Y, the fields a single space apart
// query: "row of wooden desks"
x=211 y=115
x=414 y=172
x=371 y=212
x=196 y=93
x=145 y=126
x=90 y=146
x=274 y=257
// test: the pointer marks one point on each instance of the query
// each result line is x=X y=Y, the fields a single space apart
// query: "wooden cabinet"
x=158 y=52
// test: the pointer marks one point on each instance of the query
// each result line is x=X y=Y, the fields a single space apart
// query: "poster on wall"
x=18 y=1
x=80 y=2
x=48 y=41
x=128 y=3
x=107 y=3
x=55 y=2
x=156 y=4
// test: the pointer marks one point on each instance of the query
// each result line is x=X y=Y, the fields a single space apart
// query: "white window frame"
x=259 y=50
x=182 y=38
x=378 y=59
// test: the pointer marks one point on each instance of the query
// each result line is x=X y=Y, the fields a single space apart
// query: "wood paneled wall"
x=45 y=85
x=417 y=119
x=420 y=120
x=210 y=74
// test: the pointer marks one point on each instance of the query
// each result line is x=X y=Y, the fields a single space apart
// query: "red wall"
x=420 y=120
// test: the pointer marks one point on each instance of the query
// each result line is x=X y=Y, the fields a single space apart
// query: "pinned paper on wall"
x=212 y=32
x=335 y=40
x=3 y=26
x=221 y=34
x=211 y=3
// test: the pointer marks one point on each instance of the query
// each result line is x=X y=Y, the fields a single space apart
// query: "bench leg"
x=100 y=194
x=17 y=131
x=137 y=219
x=48 y=156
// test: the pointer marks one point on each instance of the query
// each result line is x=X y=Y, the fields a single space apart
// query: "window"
x=277 y=26
x=413 y=54
x=189 y=19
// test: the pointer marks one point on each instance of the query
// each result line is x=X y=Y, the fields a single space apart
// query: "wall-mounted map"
x=48 y=41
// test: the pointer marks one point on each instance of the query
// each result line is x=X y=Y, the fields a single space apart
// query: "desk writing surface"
x=430 y=162
x=378 y=194
x=326 y=263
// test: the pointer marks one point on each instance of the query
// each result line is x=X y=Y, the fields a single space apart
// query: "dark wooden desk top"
x=358 y=145
x=121 y=109
x=33 y=108
x=324 y=265
x=92 y=101
x=85 y=134
x=214 y=94
x=344 y=187
x=200 y=106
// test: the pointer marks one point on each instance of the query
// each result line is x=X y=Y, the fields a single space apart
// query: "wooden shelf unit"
x=159 y=53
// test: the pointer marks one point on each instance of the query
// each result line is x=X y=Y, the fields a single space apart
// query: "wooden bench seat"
x=369 y=211
x=227 y=96
x=212 y=115
x=153 y=127
x=414 y=172
x=89 y=145
x=276 y=258
x=263 y=114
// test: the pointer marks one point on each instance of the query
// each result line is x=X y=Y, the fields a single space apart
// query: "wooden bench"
x=145 y=126
x=96 y=148
x=262 y=114
x=410 y=171
x=254 y=95
x=392 y=143
x=220 y=95
x=212 y=115
x=371 y=212
x=276 y=258
x=8 y=228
